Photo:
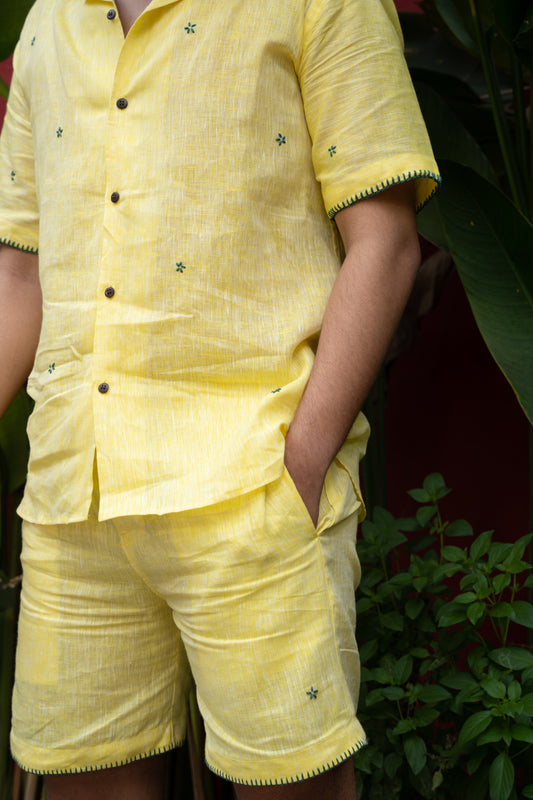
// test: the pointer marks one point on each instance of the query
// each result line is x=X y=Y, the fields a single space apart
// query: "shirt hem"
x=26 y=248
x=386 y=184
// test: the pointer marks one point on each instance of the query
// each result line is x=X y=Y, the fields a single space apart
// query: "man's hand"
x=365 y=306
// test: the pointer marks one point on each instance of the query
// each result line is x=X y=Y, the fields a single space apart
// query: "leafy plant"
x=447 y=691
x=482 y=138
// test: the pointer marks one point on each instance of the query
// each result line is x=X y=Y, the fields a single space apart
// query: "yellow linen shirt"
x=179 y=185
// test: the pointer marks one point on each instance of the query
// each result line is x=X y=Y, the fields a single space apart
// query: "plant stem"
x=521 y=123
x=498 y=112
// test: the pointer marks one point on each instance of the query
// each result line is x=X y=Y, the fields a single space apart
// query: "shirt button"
x=115 y=197
x=103 y=388
x=109 y=291
x=111 y=14
x=122 y=102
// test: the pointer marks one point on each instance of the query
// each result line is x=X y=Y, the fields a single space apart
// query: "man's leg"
x=140 y=780
x=335 y=784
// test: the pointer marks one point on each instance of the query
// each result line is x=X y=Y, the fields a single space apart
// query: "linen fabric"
x=247 y=594
x=179 y=185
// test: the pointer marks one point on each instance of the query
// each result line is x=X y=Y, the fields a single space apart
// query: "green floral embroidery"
x=312 y=693
x=13 y=173
x=332 y=150
x=275 y=391
x=59 y=133
x=51 y=367
x=180 y=266
x=281 y=139
x=32 y=41
x=189 y=28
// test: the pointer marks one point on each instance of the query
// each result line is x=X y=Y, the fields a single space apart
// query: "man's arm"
x=364 y=309
x=20 y=319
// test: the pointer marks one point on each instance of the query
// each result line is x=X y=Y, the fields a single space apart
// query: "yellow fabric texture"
x=246 y=594
x=191 y=170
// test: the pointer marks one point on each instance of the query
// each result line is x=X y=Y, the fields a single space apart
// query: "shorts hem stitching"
x=303 y=776
x=77 y=771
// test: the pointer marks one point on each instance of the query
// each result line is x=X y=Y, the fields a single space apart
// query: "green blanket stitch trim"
x=17 y=246
x=297 y=778
x=380 y=187
x=158 y=751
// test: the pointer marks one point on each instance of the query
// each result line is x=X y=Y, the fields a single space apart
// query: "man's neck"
x=129 y=10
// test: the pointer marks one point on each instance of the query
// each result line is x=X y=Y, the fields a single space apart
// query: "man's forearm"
x=363 y=312
x=20 y=320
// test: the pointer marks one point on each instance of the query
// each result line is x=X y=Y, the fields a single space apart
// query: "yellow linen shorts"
x=247 y=597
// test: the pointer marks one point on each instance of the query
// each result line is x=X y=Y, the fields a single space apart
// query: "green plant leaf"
x=459 y=680
x=501 y=777
x=392 y=763
x=496 y=732
x=452 y=553
x=435 y=486
x=466 y=597
x=459 y=528
x=514 y=691
x=13 y=15
x=14 y=446
x=512 y=657
x=402 y=669
x=527 y=703
x=494 y=688
x=393 y=693
x=404 y=726
x=522 y=733
x=432 y=693
x=424 y=515
x=500 y=610
x=522 y=613
x=413 y=607
x=451 y=21
x=527 y=791
x=480 y=546
x=474 y=725
x=501 y=582
x=476 y=612
x=415 y=752
x=449 y=137
x=394 y=621
x=420 y=495
x=425 y=716
x=491 y=243
x=476 y=759
x=451 y=614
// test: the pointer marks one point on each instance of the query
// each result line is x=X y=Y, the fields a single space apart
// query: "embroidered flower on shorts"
x=189 y=28
x=332 y=150
x=13 y=173
x=59 y=133
x=281 y=139
x=180 y=266
x=275 y=391
x=51 y=367
x=312 y=693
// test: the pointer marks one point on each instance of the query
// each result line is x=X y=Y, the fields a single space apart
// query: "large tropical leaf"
x=492 y=246
x=12 y=13
x=454 y=17
x=14 y=447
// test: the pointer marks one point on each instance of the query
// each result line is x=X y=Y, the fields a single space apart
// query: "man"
x=192 y=495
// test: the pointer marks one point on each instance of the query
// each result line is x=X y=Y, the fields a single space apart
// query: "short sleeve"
x=365 y=124
x=19 y=214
